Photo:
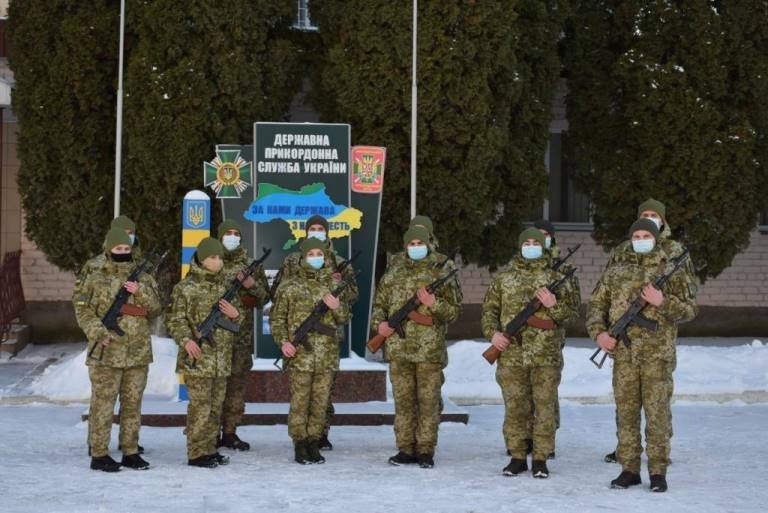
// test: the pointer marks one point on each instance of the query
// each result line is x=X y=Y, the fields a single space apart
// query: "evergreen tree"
x=64 y=58
x=198 y=76
x=656 y=110
x=468 y=86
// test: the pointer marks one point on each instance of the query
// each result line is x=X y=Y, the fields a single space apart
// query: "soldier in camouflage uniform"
x=317 y=227
x=119 y=367
x=205 y=366
x=656 y=211
x=528 y=370
x=642 y=373
x=124 y=223
x=400 y=258
x=416 y=361
x=311 y=366
x=254 y=294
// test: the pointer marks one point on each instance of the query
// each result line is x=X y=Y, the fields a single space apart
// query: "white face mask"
x=231 y=242
x=656 y=221
x=547 y=242
x=643 y=245
x=132 y=237
x=319 y=235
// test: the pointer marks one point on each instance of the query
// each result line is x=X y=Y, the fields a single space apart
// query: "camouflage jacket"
x=234 y=262
x=618 y=287
x=671 y=247
x=191 y=301
x=509 y=293
x=97 y=262
x=95 y=295
x=296 y=298
x=292 y=265
x=422 y=344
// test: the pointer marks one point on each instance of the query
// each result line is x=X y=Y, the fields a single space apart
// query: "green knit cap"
x=531 y=233
x=316 y=220
x=654 y=206
x=115 y=237
x=228 y=224
x=312 y=243
x=209 y=247
x=644 y=224
x=416 y=233
x=124 y=223
x=424 y=222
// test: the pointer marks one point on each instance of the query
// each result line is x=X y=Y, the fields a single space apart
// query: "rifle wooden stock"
x=491 y=354
x=376 y=343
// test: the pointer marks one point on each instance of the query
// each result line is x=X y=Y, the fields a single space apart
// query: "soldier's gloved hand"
x=500 y=341
x=192 y=349
x=425 y=297
x=105 y=341
x=247 y=281
x=131 y=286
x=228 y=309
x=384 y=329
x=288 y=349
x=606 y=342
x=652 y=295
x=546 y=297
x=331 y=301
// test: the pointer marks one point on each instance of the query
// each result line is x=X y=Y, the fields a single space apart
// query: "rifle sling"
x=133 y=310
x=418 y=318
x=324 y=329
x=542 y=324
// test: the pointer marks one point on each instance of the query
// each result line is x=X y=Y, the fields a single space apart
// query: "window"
x=303 y=21
x=565 y=204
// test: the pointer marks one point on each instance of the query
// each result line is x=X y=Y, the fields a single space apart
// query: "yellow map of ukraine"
x=295 y=207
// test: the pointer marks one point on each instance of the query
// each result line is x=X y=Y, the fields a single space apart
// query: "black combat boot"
x=313 y=451
x=135 y=462
x=203 y=462
x=625 y=480
x=611 y=458
x=551 y=455
x=300 y=452
x=516 y=466
x=403 y=458
x=220 y=459
x=232 y=441
x=105 y=464
x=139 y=449
x=325 y=444
x=539 y=469
x=426 y=460
x=658 y=483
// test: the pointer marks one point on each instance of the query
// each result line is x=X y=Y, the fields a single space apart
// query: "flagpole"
x=119 y=122
x=414 y=91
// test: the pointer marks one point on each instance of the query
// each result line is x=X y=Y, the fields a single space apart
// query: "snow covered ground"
x=719 y=450
x=719 y=456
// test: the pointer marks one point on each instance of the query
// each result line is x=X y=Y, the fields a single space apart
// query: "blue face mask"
x=132 y=236
x=532 y=252
x=417 y=252
x=317 y=235
x=315 y=262
x=643 y=245
x=548 y=242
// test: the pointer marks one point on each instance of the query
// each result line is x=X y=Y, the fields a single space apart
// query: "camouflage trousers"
x=557 y=406
x=330 y=411
x=234 y=399
x=645 y=386
x=416 y=389
x=107 y=384
x=530 y=397
x=206 y=396
x=310 y=395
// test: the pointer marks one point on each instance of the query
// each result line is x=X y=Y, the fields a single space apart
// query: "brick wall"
x=745 y=283
x=43 y=281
